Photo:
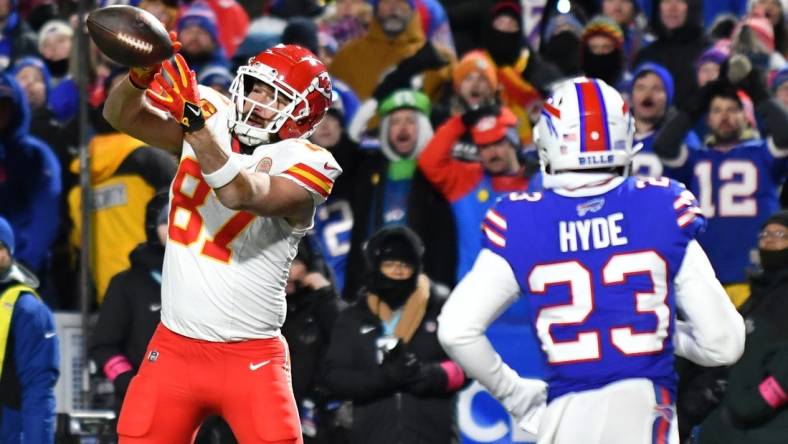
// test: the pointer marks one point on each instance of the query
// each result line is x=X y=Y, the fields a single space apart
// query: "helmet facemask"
x=297 y=106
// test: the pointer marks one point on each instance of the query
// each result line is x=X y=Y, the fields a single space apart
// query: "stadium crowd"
x=431 y=120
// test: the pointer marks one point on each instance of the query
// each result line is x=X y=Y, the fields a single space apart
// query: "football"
x=129 y=36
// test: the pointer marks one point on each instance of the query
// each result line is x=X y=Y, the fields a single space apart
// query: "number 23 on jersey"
x=587 y=346
x=186 y=234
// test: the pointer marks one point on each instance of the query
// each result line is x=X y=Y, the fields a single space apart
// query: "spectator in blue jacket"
x=28 y=353
x=30 y=184
x=16 y=38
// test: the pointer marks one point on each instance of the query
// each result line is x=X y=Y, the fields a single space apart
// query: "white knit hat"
x=53 y=27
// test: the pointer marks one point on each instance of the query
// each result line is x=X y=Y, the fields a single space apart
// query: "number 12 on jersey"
x=587 y=346
x=218 y=247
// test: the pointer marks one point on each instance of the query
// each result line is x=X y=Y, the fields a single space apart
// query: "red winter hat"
x=491 y=129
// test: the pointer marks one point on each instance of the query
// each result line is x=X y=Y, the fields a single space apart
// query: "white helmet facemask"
x=242 y=85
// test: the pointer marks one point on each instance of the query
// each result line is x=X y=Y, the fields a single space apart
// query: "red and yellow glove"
x=142 y=76
x=179 y=95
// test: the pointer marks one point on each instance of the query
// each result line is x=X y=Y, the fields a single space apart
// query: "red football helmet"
x=295 y=73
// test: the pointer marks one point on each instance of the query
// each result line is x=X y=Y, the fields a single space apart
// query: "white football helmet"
x=585 y=124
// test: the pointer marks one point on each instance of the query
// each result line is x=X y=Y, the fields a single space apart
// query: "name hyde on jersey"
x=594 y=233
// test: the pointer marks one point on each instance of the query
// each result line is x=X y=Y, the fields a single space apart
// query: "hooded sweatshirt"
x=125 y=176
x=30 y=184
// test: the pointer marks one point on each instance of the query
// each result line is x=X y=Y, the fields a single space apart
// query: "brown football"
x=130 y=36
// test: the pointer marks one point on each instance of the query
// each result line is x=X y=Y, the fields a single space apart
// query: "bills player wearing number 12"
x=605 y=262
x=244 y=195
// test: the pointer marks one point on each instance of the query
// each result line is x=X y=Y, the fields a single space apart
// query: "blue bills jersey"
x=737 y=191
x=597 y=274
x=332 y=229
x=646 y=163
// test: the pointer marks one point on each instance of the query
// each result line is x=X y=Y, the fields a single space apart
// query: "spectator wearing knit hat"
x=650 y=96
x=626 y=13
x=561 y=43
x=679 y=41
x=30 y=352
x=754 y=37
x=779 y=86
x=524 y=76
x=709 y=63
x=475 y=85
x=301 y=31
x=33 y=76
x=199 y=37
x=472 y=187
x=54 y=44
x=602 y=52
x=774 y=11
x=384 y=178
x=217 y=77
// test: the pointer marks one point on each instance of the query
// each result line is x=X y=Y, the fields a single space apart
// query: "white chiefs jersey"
x=225 y=271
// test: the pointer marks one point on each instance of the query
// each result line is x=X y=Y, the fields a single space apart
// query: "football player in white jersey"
x=245 y=193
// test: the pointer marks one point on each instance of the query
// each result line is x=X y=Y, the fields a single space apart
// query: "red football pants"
x=183 y=380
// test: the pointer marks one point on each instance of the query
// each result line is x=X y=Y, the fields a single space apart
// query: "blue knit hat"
x=7 y=235
x=778 y=79
x=201 y=15
x=660 y=71
x=215 y=74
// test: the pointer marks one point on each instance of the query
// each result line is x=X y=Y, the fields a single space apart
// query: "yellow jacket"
x=125 y=175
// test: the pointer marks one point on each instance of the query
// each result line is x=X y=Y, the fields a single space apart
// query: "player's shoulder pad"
x=686 y=208
x=308 y=164
x=300 y=151
x=495 y=224
x=212 y=101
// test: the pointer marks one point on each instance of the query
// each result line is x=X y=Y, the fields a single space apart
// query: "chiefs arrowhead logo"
x=322 y=84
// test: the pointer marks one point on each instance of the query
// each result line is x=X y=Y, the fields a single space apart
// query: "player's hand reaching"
x=142 y=76
x=180 y=95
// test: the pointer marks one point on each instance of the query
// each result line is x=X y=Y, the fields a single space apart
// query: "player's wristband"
x=223 y=175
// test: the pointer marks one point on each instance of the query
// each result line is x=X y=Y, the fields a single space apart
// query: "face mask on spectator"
x=563 y=50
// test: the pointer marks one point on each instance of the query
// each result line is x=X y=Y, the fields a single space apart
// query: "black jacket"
x=310 y=318
x=130 y=313
x=428 y=214
x=677 y=50
x=765 y=314
x=383 y=413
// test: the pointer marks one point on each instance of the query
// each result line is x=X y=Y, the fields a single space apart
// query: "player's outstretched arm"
x=239 y=189
x=486 y=292
x=125 y=111
x=713 y=333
